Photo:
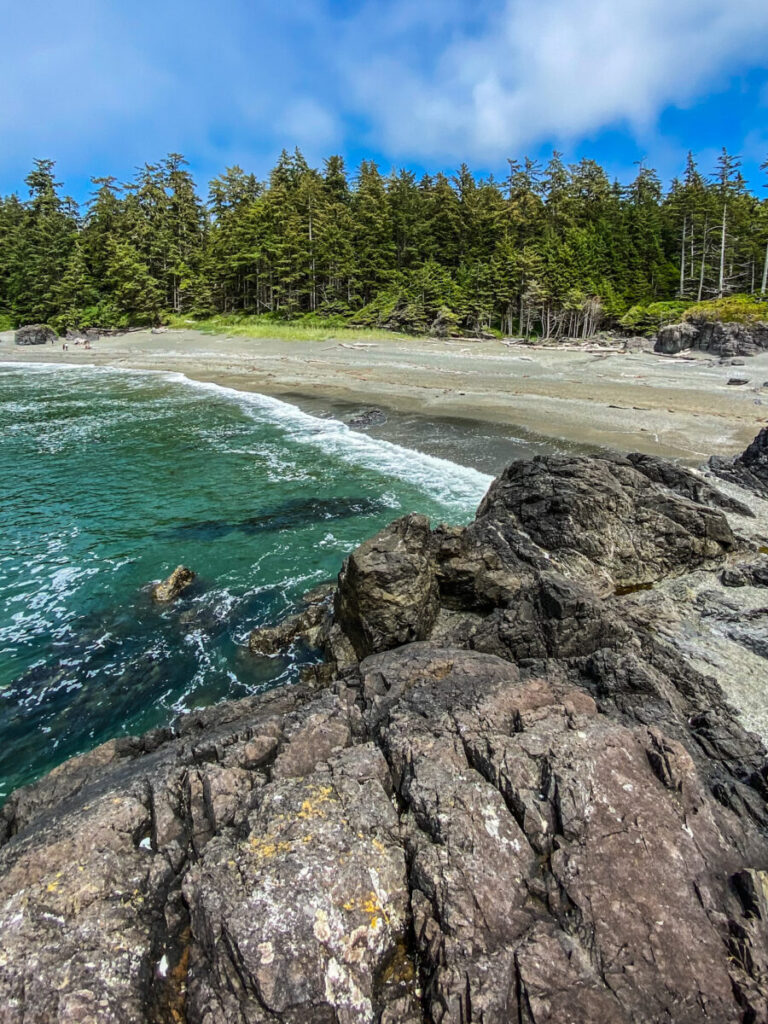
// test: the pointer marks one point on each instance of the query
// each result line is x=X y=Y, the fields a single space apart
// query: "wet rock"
x=738 y=381
x=367 y=418
x=174 y=586
x=306 y=626
x=36 y=334
x=750 y=469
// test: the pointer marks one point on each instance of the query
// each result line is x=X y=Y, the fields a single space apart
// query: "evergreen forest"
x=553 y=251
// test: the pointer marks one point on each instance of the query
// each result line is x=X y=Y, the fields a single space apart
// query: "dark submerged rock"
x=36 y=334
x=509 y=800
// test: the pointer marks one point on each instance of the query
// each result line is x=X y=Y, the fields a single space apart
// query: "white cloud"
x=103 y=86
x=550 y=69
x=306 y=118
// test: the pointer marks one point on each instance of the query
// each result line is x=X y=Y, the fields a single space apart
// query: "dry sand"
x=678 y=407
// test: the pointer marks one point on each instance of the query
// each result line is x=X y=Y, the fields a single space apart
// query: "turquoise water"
x=110 y=479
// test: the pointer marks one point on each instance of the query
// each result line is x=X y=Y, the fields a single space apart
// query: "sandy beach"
x=672 y=406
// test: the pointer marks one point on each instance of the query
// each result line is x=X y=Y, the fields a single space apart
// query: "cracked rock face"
x=723 y=339
x=504 y=797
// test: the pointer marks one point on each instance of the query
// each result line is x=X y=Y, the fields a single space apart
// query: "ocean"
x=109 y=479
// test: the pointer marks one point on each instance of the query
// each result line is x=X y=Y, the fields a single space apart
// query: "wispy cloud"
x=102 y=84
x=555 y=69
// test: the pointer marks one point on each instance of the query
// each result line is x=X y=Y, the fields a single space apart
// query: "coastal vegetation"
x=553 y=251
x=309 y=327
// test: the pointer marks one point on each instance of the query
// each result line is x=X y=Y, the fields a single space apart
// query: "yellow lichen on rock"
x=311 y=807
x=268 y=847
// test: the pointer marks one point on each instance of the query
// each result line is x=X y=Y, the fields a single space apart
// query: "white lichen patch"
x=266 y=953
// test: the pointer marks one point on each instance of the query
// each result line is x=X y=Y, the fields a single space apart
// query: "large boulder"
x=674 y=338
x=387 y=593
x=36 y=334
x=604 y=520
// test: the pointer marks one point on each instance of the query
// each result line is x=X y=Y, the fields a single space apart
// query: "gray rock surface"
x=36 y=334
x=750 y=469
x=387 y=592
x=674 y=338
x=723 y=339
x=635 y=533
x=638 y=344
x=506 y=796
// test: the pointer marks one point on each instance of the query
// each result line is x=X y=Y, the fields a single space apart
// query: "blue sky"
x=104 y=85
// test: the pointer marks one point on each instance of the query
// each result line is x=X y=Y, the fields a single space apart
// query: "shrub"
x=738 y=309
x=649 y=318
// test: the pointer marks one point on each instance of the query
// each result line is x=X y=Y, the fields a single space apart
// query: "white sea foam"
x=447 y=482
x=456 y=486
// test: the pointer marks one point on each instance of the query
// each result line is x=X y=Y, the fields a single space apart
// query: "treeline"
x=556 y=250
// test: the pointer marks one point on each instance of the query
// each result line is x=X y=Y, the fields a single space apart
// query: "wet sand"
x=677 y=407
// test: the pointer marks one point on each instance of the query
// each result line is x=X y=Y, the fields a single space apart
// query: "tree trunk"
x=721 y=282
x=765 y=271
x=703 y=261
x=520 y=317
x=682 y=259
x=313 y=299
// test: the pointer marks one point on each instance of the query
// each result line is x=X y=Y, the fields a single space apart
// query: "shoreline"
x=678 y=408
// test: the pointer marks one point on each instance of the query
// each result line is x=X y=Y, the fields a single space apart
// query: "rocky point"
x=509 y=792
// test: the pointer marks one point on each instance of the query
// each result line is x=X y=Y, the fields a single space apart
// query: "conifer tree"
x=555 y=252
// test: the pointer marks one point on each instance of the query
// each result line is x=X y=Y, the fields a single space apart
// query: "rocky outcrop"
x=387 y=593
x=504 y=797
x=36 y=334
x=750 y=469
x=639 y=343
x=722 y=339
x=635 y=533
x=181 y=579
x=675 y=337
x=307 y=625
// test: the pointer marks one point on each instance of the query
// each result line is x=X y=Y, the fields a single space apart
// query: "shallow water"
x=110 y=479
